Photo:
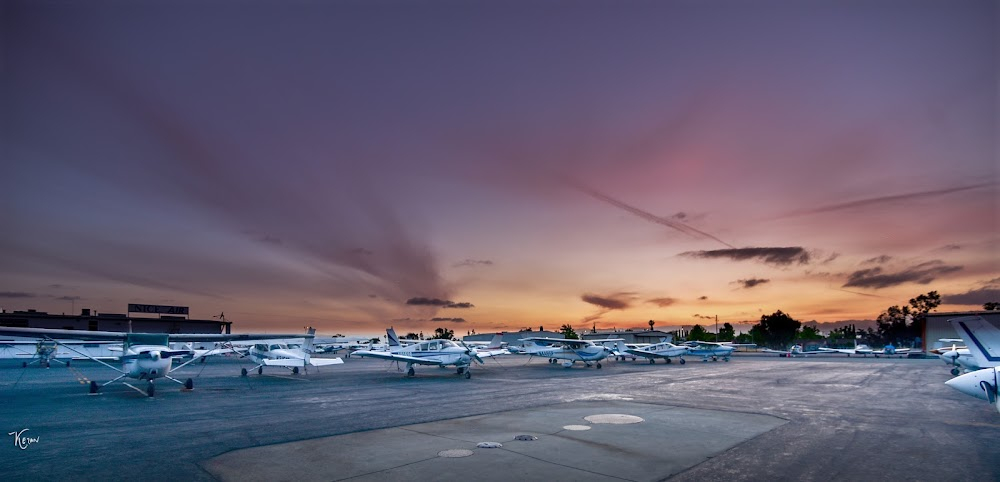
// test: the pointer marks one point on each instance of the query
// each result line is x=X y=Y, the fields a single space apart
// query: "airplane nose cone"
x=971 y=383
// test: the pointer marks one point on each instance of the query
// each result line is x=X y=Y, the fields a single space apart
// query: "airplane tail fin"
x=981 y=337
x=393 y=339
x=496 y=343
x=307 y=345
x=620 y=346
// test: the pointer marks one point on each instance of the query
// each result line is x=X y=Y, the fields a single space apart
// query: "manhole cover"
x=489 y=445
x=616 y=418
x=576 y=427
x=453 y=453
x=526 y=437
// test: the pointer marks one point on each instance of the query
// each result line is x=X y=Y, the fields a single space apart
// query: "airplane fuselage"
x=144 y=362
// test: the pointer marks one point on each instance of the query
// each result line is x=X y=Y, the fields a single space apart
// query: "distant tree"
x=991 y=306
x=744 y=338
x=902 y=325
x=922 y=305
x=375 y=340
x=844 y=333
x=411 y=336
x=698 y=333
x=810 y=333
x=443 y=334
x=651 y=323
x=568 y=332
x=778 y=329
x=727 y=333
x=541 y=328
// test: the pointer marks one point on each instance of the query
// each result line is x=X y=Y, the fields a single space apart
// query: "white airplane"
x=431 y=352
x=44 y=352
x=587 y=351
x=794 y=351
x=664 y=350
x=981 y=384
x=713 y=350
x=145 y=356
x=493 y=347
x=865 y=350
x=288 y=355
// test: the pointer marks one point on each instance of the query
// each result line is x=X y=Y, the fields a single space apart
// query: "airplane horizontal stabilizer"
x=322 y=362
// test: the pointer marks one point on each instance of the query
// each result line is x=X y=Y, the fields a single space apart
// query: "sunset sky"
x=494 y=165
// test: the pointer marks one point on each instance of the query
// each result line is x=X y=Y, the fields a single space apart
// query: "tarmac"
x=754 y=418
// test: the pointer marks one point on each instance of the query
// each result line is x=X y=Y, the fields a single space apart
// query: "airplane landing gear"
x=468 y=375
x=669 y=361
x=652 y=361
x=598 y=365
x=260 y=370
x=410 y=372
x=461 y=370
x=189 y=384
x=243 y=372
x=715 y=358
x=295 y=370
x=726 y=359
x=150 y=389
x=94 y=387
x=682 y=361
x=955 y=371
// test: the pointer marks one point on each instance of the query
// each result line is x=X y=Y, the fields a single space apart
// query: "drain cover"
x=576 y=427
x=615 y=418
x=526 y=437
x=489 y=445
x=453 y=453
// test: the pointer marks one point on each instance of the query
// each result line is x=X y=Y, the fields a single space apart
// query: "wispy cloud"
x=990 y=291
x=617 y=301
x=648 y=216
x=16 y=294
x=751 y=282
x=876 y=201
x=878 y=260
x=877 y=278
x=772 y=256
x=438 y=302
x=472 y=262
x=452 y=320
x=662 y=302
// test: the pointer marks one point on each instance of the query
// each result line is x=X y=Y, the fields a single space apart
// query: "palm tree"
x=651 y=322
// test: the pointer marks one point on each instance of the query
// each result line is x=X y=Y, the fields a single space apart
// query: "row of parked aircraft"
x=150 y=356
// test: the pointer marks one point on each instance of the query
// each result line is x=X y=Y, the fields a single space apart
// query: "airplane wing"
x=780 y=352
x=396 y=357
x=322 y=362
x=561 y=341
x=648 y=354
x=284 y=362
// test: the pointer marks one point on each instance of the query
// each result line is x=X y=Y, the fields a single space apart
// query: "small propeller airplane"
x=865 y=350
x=664 y=350
x=288 y=355
x=587 y=351
x=794 y=351
x=983 y=342
x=45 y=352
x=712 y=349
x=145 y=356
x=431 y=352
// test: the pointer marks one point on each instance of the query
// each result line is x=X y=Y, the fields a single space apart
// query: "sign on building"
x=158 y=309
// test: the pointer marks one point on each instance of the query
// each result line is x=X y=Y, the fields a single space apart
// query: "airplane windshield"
x=276 y=347
x=294 y=346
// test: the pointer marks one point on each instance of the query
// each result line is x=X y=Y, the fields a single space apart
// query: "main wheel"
x=468 y=375
x=150 y=389
x=682 y=361
x=260 y=370
x=243 y=372
x=598 y=365
x=652 y=361
x=94 y=387
x=295 y=370
x=410 y=372
x=67 y=363
x=955 y=371
x=669 y=361
x=189 y=384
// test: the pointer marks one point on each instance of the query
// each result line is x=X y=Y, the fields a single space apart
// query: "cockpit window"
x=275 y=346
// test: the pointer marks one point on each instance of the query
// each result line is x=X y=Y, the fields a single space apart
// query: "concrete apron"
x=590 y=440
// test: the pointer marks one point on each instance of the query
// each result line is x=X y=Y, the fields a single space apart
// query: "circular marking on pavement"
x=615 y=418
x=454 y=453
x=526 y=437
x=489 y=445
x=576 y=427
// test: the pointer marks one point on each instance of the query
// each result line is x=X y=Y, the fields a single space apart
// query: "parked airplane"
x=713 y=350
x=981 y=384
x=288 y=355
x=44 y=352
x=431 y=352
x=663 y=350
x=145 y=356
x=794 y=351
x=865 y=350
x=587 y=351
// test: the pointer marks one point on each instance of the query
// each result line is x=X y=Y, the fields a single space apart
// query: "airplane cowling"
x=981 y=384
